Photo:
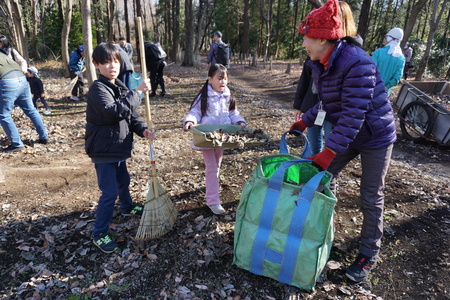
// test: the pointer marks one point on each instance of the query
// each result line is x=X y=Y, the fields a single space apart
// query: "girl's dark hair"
x=202 y=96
x=105 y=53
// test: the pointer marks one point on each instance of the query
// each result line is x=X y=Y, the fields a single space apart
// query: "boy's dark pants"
x=113 y=180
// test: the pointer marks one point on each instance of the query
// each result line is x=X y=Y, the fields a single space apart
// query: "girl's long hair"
x=202 y=96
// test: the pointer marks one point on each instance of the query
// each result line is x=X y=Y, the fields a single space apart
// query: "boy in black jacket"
x=37 y=88
x=111 y=121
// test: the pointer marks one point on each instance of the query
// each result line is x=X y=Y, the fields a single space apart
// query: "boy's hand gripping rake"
x=159 y=213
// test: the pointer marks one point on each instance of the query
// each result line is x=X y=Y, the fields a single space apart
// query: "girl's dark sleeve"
x=303 y=86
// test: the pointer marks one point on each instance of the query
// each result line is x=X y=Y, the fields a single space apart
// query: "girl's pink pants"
x=213 y=159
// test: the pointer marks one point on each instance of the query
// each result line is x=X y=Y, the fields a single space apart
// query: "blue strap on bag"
x=287 y=259
x=284 y=148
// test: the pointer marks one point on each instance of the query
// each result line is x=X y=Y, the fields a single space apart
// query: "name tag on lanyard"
x=320 y=118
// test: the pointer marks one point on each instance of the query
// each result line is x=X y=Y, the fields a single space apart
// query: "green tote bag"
x=284 y=222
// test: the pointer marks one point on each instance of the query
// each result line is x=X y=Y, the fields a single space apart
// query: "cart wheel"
x=416 y=121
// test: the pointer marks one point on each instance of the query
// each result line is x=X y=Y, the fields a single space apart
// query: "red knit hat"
x=323 y=22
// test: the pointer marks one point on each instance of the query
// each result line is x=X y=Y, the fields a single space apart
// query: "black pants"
x=77 y=88
x=156 y=76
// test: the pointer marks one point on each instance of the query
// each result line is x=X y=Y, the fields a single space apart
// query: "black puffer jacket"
x=112 y=118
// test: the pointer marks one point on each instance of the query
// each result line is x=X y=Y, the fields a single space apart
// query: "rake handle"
x=150 y=124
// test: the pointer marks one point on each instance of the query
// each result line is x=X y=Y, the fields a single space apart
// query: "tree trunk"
x=294 y=32
x=176 y=30
x=434 y=22
x=364 y=16
x=200 y=25
x=35 y=29
x=315 y=3
x=67 y=17
x=268 y=28
x=277 y=31
x=412 y=20
x=127 y=21
x=87 y=41
x=21 y=42
x=110 y=11
x=189 y=25
x=246 y=27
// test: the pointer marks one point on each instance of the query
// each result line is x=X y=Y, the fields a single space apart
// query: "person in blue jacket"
x=353 y=98
x=390 y=59
x=76 y=65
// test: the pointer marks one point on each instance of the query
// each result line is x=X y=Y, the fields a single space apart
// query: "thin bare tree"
x=87 y=40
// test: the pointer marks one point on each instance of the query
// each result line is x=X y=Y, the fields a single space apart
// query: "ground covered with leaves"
x=48 y=197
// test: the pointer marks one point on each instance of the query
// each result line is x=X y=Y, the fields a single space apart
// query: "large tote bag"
x=284 y=222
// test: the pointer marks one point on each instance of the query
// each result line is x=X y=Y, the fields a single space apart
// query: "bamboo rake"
x=159 y=213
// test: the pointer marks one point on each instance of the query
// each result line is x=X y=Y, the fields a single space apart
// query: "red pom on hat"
x=323 y=22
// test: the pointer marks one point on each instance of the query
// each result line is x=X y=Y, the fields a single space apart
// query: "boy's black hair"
x=105 y=53
x=202 y=96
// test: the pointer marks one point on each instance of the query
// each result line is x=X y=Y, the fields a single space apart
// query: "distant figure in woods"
x=407 y=52
x=126 y=68
x=219 y=52
x=389 y=59
x=37 y=89
x=6 y=47
x=76 y=66
x=155 y=63
x=15 y=91
x=127 y=48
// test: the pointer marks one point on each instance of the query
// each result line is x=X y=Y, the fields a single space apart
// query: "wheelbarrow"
x=420 y=116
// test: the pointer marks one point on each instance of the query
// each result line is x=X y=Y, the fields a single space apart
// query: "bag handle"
x=285 y=150
x=260 y=252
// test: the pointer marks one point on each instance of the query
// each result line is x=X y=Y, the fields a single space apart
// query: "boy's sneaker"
x=361 y=268
x=47 y=112
x=74 y=98
x=136 y=211
x=105 y=243
x=217 y=209
x=11 y=148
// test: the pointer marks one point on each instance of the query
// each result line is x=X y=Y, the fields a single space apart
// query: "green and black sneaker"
x=105 y=242
x=136 y=211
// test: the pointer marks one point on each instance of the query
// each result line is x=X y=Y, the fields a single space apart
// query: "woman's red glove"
x=300 y=126
x=323 y=159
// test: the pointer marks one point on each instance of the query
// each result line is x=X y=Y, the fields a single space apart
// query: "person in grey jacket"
x=353 y=98
x=111 y=120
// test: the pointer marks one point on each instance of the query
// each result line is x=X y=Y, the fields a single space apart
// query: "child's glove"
x=299 y=126
x=188 y=125
x=323 y=159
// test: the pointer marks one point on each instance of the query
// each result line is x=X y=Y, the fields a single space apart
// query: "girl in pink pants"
x=213 y=105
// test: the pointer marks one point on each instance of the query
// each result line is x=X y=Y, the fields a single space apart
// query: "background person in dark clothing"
x=37 y=88
x=154 y=59
x=76 y=65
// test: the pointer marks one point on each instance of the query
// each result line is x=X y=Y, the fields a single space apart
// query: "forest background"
x=50 y=30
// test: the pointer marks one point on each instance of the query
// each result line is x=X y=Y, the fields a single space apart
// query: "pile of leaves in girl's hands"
x=241 y=137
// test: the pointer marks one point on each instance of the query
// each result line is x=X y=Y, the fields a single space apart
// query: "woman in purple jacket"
x=353 y=98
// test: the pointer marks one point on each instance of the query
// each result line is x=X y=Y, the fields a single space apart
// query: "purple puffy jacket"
x=355 y=100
